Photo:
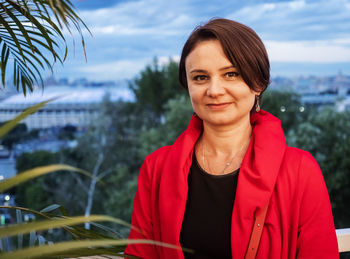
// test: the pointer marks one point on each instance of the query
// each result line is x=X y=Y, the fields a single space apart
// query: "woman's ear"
x=257 y=91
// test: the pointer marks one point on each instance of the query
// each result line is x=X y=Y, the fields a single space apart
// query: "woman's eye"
x=200 y=78
x=231 y=74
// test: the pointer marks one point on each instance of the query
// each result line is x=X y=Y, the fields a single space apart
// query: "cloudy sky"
x=302 y=37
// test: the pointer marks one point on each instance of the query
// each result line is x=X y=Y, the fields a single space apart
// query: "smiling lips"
x=218 y=106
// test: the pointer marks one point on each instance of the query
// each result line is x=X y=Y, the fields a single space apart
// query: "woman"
x=229 y=187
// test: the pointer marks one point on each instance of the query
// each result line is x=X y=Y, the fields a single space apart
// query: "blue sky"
x=302 y=37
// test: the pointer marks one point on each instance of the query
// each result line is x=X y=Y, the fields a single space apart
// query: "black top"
x=206 y=227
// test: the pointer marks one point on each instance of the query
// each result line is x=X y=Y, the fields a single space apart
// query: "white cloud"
x=139 y=17
x=163 y=60
x=116 y=69
x=297 y=20
x=296 y=5
x=344 y=41
x=309 y=51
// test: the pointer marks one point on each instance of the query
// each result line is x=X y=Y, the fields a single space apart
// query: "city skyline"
x=301 y=37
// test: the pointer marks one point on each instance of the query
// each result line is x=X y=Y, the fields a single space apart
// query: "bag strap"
x=256 y=233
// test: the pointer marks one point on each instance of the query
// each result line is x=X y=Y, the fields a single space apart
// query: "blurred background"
x=125 y=101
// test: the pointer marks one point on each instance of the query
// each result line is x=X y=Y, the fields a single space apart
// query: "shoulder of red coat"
x=158 y=154
x=297 y=153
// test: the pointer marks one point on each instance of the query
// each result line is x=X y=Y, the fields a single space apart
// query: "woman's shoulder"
x=299 y=156
x=157 y=157
x=304 y=165
x=159 y=153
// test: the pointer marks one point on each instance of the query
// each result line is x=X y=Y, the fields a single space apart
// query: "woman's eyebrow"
x=198 y=71
x=205 y=71
x=228 y=67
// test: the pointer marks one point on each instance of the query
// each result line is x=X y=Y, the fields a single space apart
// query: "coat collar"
x=257 y=177
x=256 y=180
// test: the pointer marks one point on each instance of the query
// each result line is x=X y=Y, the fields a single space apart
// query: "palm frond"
x=31 y=33
x=26 y=228
x=68 y=249
x=35 y=172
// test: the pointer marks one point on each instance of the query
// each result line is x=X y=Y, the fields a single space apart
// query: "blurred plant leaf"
x=76 y=232
x=38 y=171
x=4 y=129
x=64 y=248
x=50 y=208
x=25 y=228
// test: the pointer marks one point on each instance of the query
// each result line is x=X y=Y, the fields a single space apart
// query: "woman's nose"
x=215 y=88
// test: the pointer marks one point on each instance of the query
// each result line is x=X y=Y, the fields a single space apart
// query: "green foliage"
x=286 y=106
x=118 y=195
x=178 y=112
x=156 y=85
x=87 y=242
x=31 y=33
x=118 y=124
x=37 y=193
x=39 y=247
x=27 y=161
x=326 y=136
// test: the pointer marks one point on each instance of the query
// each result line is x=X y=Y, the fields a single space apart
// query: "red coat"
x=299 y=222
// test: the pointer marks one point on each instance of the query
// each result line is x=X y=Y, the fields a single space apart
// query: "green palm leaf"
x=64 y=248
x=38 y=171
x=29 y=31
x=26 y=228
x=76 y=232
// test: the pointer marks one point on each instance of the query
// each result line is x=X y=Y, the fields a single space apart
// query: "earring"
x=257 y=105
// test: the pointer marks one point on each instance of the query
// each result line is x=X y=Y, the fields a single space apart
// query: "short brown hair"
x=241 y=45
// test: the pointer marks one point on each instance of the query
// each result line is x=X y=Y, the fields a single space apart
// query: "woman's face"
x=218 y=93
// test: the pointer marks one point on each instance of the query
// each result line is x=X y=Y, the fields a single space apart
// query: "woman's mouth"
x=218 y=106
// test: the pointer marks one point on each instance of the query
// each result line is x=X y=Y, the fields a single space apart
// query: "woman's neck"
x=226 y=140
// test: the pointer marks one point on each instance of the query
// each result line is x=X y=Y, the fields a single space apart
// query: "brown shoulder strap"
x=256 y=233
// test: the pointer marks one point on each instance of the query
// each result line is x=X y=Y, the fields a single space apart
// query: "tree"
x=326 y=136
x=118 y=195
x=286 y=106
x=106 y=149
x=155 y=86
x=37 y=193
x=31 y=33
x=177 y=115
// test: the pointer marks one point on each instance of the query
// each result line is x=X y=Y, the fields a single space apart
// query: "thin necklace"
x=227 y=164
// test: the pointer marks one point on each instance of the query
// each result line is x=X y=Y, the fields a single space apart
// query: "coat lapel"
x=257 y=178
x=173 y=186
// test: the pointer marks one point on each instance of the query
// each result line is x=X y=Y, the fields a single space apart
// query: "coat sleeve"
x=142 y=216
x=316 y=232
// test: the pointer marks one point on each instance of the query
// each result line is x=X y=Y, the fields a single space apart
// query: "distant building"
x=317 y=92
x=341 y=84
x=75 y=105
x=318 y=100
